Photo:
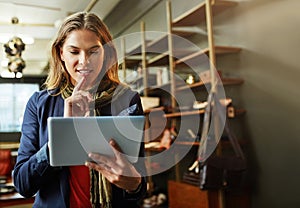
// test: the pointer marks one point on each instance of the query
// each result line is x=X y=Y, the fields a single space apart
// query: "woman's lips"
x=83 y=71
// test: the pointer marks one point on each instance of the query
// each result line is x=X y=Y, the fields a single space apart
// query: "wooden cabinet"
x=186 y=195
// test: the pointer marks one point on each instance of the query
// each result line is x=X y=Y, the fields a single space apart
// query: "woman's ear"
x=61 y=54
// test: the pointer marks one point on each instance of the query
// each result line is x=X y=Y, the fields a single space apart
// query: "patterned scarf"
x=104 y=94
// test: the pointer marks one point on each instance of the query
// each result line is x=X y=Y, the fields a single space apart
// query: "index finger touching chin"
x=79 y=84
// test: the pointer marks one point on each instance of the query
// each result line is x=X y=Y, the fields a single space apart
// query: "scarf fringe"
x=105 y=93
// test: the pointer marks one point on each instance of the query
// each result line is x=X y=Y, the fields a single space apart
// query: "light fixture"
x=8 y=74
x=5 y=37
x=13 y=50
x=4 y=62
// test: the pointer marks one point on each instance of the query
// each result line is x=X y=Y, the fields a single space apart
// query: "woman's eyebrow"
x=93 y=47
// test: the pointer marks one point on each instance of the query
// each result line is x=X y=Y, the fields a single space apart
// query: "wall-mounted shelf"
x=133 y=61
x=219 y=50
x=225 y=81
x=197 y=14
x=163 y=58
x=198 y=112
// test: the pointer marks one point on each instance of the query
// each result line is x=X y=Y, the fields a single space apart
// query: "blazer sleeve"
x=32 y=162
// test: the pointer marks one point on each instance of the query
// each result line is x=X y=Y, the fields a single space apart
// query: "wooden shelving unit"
x=164 y=51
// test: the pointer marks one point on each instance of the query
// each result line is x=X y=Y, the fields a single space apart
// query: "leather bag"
x=219 y=171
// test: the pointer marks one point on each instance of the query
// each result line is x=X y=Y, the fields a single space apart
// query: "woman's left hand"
x=117 y=170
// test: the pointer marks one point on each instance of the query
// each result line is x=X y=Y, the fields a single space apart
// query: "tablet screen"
x=71 y=139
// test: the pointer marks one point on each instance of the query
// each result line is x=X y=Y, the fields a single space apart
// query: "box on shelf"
x=149 y=102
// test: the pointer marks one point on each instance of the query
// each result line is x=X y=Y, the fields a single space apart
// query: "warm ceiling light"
x=8 y=74
x=4 y=62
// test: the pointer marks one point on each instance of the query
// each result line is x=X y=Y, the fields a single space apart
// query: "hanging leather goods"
x=219 y=171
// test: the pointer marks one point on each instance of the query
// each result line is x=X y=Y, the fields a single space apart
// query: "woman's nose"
x=83 y=58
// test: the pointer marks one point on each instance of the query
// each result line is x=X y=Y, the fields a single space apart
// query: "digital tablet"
x=71 y=139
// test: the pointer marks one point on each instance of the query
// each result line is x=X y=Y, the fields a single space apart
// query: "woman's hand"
x=116 y=170
x=78 y=103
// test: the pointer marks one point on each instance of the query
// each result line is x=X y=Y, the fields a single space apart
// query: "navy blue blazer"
x=32 y=173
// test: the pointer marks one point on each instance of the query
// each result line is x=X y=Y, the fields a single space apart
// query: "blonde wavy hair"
x=81 y=21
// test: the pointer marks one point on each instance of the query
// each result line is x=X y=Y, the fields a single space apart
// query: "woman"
x=82 y=81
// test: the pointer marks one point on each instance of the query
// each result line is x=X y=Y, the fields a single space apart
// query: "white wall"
x=269 y=32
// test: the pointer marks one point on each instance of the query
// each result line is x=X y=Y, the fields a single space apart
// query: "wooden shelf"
x=224 y=142
x=197 y=14
x=219 y=50
x=9 y=145
x=159 y=60
x=183 y=33
x=155 y=149
x=132 y=61
x=137 y=50
x=139 y=79
x=163 y=58
x=198 y=112
x=158 y=89
x=187 y=143
x=158 y=45
x=185 y=113
x=161 y=108
x=182 y=56
x=225 y=81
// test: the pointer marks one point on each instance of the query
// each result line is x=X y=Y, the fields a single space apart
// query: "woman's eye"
x=74 y=52
x=95 y=51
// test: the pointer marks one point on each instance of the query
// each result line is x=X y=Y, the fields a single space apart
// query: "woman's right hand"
x=78 y=103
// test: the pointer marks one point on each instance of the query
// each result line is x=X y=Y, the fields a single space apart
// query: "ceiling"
x=39 y=19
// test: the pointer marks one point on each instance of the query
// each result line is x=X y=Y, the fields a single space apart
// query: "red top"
x=79 y=181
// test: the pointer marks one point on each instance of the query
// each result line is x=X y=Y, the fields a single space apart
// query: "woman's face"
x=83 y=55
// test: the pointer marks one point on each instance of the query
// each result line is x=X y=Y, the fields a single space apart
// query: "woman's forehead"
x=85 y=38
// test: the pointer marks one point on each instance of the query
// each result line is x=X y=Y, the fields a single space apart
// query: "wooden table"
x=14 y=198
